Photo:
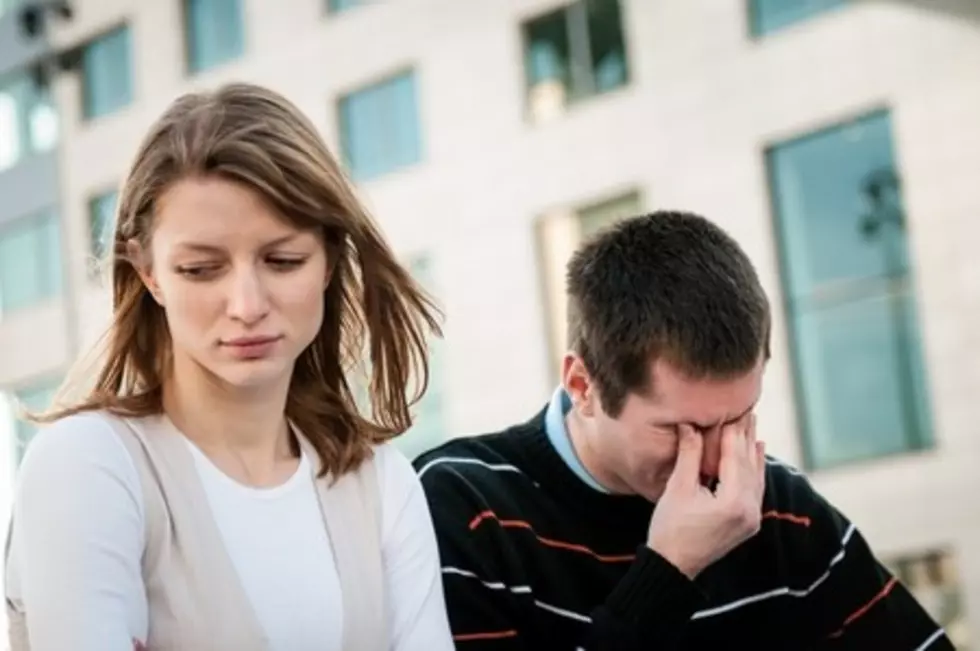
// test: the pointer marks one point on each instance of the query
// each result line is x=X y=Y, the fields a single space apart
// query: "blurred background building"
x=837 y=140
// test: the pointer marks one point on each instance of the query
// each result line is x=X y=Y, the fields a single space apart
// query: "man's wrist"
x=685 y=565
x=652 y=584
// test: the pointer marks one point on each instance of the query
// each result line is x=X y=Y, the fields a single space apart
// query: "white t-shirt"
x=79 y=537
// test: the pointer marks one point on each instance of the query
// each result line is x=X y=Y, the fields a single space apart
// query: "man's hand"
x=693 y=527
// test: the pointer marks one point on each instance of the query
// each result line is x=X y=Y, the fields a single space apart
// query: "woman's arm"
x=417 y=619
x=78 y=539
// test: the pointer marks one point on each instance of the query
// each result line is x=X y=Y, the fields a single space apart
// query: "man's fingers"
x=732 y=453
x=760 y=455
x=687 y=469
x=757 y=453
x=750 y=441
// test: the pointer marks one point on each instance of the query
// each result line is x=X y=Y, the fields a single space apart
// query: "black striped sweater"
x=534 y=559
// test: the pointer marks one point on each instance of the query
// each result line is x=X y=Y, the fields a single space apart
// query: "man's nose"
x=711 y=452
x=248 y=299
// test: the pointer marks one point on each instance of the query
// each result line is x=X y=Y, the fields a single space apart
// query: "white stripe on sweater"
x=784 y=591
x=496 y=467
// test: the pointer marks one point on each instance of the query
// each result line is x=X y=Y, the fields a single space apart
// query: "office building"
x=837 y=140
x=31 y=250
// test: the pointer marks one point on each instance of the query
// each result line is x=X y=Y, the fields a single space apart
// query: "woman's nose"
x=247 y=300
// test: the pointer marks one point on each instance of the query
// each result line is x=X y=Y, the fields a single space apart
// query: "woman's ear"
x=140 y=259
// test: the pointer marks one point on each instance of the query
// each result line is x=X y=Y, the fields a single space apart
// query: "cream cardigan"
x=194 y=595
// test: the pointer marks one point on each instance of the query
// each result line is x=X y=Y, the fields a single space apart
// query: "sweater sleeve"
x=855 y=603
x=491 y=599
x=651 y=585
x=77 y=540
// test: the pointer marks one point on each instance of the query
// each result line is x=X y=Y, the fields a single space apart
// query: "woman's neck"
x=243 y=431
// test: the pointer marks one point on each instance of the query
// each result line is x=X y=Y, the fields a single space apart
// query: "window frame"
x=27 y=93
x=576 y=19
x=922 y=441
x=87 y=112
x=410 y=70
x=191 y=69
x=565 y=222
x=95 y=257
x=35 y=221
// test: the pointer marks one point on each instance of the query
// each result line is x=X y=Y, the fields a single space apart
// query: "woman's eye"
x=197 y=271
x=285 y=264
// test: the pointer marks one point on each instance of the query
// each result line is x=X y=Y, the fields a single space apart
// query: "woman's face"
x=243 y=291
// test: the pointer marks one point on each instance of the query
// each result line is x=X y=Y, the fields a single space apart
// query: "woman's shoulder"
x=78 y=503
x=397 y=479
x=75 y=445
x=76 y=431
x=391 y=462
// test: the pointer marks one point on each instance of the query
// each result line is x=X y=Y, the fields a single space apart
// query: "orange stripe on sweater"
x=490 y=635
x=788 y=517
x=860 y=612
x=558 y=544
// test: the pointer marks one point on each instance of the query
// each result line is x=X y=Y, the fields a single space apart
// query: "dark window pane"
x=607 y=44
x=547 y=49
x=572 y=54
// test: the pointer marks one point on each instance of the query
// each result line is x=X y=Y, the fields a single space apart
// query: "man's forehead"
x=704 y=402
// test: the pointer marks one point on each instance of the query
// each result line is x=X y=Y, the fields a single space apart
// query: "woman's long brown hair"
x=251 y=135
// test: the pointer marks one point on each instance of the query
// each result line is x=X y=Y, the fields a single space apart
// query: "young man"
x=638 y=510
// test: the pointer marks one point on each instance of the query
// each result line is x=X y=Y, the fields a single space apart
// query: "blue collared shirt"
x=554 y=426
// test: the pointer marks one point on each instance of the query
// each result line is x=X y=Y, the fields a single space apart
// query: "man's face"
x=636 y=451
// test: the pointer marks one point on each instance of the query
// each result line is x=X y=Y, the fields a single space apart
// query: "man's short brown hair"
x=668 y=285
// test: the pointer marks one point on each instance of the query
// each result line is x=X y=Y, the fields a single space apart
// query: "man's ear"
x=579 y=385
x=140 y=259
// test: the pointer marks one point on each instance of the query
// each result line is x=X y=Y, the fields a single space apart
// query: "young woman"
x=218 y=488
